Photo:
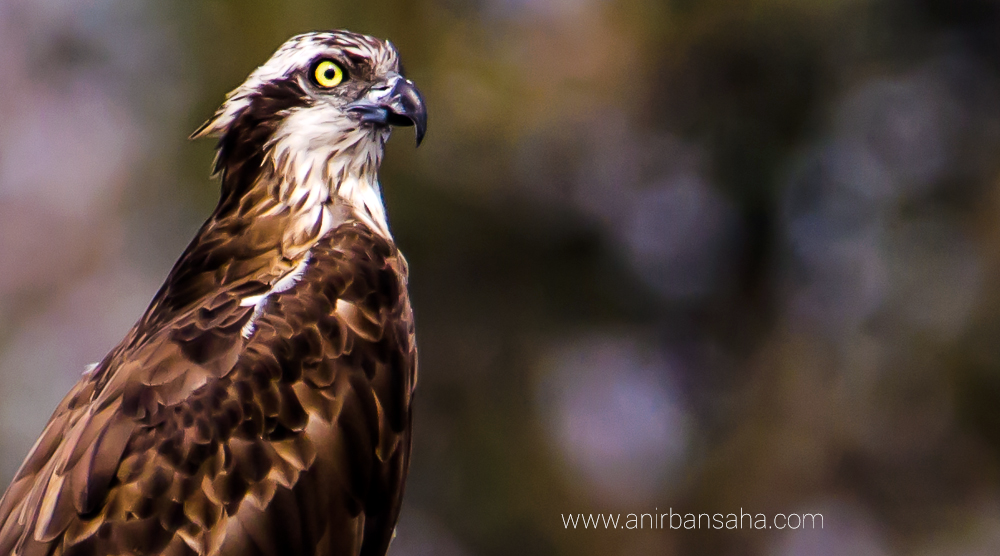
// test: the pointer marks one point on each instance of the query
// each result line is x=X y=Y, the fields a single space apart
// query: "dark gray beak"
x=403 y=105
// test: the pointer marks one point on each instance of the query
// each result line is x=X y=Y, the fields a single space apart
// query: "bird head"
x=309 y=128
x=336 y=86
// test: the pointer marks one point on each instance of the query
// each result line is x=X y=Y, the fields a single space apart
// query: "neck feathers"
x=312 y=168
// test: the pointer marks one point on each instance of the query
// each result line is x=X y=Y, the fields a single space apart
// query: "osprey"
x=261 y=405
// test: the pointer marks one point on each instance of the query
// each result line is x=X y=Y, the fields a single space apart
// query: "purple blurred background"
x=694 y=255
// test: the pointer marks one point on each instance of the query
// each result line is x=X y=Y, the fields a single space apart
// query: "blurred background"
x=702 y=255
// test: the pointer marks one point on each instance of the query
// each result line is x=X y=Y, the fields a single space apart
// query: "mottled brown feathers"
x=191 y=439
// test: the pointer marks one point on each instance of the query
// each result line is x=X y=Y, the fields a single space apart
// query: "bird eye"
x=328 y=74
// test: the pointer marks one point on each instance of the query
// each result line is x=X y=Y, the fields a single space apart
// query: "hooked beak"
x=399 y=103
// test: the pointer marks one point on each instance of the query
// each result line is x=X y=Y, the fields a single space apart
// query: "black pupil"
x=330 y=73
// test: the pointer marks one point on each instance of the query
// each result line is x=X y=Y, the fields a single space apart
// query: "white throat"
x=323 y=159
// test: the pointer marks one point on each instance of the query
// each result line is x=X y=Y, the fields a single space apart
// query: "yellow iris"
x=328 y=74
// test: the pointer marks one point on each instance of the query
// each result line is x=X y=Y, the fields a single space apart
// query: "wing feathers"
x=91 y=477
x=55 y=512
x=190 y=439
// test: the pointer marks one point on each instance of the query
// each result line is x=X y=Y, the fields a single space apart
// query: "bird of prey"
x=261 y=405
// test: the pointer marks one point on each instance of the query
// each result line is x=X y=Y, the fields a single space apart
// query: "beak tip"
x=420 y=128
x=413 y=106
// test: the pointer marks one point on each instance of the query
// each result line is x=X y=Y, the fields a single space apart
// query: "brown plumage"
x=261 y=405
